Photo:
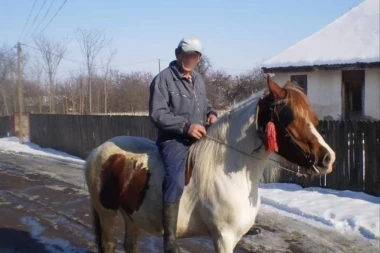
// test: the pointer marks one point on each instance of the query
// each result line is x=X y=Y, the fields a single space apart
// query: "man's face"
x=189 y=60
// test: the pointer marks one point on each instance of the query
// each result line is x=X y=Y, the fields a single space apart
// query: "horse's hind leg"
x=104 y=222
x=131 y=236
x=97 y=229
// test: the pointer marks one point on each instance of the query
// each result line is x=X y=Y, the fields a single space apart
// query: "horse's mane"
x=206 y=155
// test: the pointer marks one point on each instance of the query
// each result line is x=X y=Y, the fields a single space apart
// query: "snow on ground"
x=345 y=211
x=12 y=144
x=71 y=173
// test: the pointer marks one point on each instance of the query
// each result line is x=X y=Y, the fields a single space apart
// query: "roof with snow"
x=352 y=38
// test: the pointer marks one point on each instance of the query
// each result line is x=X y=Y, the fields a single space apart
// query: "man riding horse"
x=180 y=109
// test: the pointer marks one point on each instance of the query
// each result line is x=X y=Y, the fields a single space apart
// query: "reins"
x=268 y=161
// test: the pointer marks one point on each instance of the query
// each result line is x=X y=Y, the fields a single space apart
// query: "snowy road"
x=44 y=208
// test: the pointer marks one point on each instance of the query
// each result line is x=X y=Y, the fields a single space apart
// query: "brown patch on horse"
x=123 y=183
x=112 y=181
x=299 y=129
x=134 y=190
x=297 y=100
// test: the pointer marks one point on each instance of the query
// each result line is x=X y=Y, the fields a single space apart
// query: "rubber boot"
x=169 y=220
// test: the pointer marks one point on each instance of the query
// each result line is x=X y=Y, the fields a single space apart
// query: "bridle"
x=281 y=119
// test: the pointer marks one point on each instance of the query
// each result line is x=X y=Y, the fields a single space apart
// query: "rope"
x=269 y=161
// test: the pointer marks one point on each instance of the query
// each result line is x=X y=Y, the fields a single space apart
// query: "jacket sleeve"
x=159 y=111
x=210 y=109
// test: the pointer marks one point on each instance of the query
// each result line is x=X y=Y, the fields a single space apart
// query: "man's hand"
x=211 y=119
x=197 y=131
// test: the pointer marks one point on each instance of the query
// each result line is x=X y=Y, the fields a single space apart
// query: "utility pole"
x=159 y=65
x=20 y=92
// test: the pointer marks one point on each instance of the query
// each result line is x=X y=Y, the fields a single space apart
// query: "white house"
x=338 y=66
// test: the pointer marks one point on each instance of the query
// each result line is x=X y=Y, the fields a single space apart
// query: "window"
x=300 y=80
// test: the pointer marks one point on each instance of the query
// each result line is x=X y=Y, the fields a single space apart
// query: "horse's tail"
x=98 y=229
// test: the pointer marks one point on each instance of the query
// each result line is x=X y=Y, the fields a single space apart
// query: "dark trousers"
x=174 y=154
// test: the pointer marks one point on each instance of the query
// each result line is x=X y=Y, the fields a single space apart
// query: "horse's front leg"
x=224 y=241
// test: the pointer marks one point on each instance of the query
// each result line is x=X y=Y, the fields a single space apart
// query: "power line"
x=27 y=20
x=47 y=11
x=34 y=21
x=5 y=51
x=10 y=49
x=64 y=58
x=53 y=16
x=214 y=68
x=129 y=64
x=134 y=63
x=80 y=62
x=222 y=68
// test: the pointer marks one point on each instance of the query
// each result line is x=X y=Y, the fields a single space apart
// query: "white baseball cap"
x=191 y=44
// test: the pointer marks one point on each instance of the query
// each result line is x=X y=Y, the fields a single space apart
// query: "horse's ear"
x=287 y=83
x=275 y=88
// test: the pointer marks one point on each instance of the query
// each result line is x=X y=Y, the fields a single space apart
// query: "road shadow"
x=18 y=241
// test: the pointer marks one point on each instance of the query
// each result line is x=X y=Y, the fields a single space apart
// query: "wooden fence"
x=6 y=126
x=357 y=166
x=356 y=144
x=79 y=134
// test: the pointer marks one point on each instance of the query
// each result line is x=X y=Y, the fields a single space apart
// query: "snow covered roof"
x=352 y=38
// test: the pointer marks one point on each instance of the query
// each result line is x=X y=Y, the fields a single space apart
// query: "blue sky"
x=237 y=35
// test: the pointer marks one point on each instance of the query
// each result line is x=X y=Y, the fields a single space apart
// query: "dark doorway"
x=352 y=94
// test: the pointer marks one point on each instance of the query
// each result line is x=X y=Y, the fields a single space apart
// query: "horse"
x=223 y=172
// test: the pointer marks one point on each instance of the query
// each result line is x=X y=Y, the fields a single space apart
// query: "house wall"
x=323 y=90
x=372 y=93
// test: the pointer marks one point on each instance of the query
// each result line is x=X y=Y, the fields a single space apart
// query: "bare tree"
x=63 y=98
x=105 y=77
x=97 y=90
x=245 y=85
x=36 y=71
x=129 y=92
x=81 y=97
x=7 y=67
x=204 y=66
x=72 y=85
x=91 y=43
x=217 y=85
x=52 y=53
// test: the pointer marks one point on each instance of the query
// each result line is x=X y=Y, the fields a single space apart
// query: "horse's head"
x=298 y=139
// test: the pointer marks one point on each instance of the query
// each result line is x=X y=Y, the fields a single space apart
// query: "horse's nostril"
x=326 y=159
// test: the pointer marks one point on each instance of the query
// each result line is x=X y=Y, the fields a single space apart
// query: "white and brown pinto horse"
x=221 y=198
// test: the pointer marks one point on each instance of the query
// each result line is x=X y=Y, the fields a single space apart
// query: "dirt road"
x=44 y=207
